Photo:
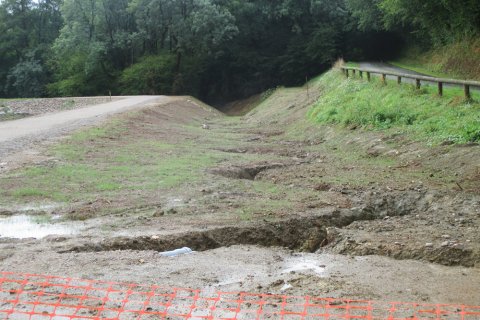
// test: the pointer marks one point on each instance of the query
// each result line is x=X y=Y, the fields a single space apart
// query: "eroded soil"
x=266 y=200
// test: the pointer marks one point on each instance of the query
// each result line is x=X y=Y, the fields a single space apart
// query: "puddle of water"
x=304 y=265
x=24 y=226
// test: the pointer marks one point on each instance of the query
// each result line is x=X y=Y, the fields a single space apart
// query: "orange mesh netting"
x=39 y=297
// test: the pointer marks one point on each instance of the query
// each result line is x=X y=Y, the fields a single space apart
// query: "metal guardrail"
x=418 y=78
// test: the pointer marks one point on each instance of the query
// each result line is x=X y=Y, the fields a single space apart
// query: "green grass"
x=29 y=192
x=352 y=64
x=93 y=165
x=86 y=180
x=358 y=103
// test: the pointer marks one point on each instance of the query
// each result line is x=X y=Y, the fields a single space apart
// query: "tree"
x=27 y=30
x=27 y=79
x=367 y=14
x=443 y=21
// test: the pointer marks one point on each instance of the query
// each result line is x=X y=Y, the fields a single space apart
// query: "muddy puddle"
x=302 y=265
x=38 y=227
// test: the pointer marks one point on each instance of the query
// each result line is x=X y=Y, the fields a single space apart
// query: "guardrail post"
x=346 y=72
x=399 y=80
x=384 y=78
x=368 y=76
x=440 y=89
x=418 y=84
x=361 y=73
x=468 y=96
x=354 y=72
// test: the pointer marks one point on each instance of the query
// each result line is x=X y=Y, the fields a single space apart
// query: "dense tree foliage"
x=27 y=30
x=435 y=22
x=215 y=49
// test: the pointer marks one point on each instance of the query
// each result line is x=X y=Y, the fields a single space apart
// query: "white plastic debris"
x=177 y=252
x=285 y=287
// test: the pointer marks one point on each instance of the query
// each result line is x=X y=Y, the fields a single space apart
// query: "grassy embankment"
x=420 y=113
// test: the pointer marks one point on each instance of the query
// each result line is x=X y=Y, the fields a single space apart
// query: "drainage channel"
x=303 y=234
x=306 y=234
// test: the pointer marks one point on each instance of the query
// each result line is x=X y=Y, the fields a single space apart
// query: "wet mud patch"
x=247 y=172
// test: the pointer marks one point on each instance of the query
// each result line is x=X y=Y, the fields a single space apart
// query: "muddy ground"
x=269 y=202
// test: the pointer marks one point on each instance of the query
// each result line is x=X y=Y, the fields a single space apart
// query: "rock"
x=159 y=213
x=445 y=244
x=172 y=211
x=205 y=127
x=446 y=236
x=429 y=245
x=155 y=237
x=376 y=151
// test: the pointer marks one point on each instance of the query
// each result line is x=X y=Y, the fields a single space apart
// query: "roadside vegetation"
x=355 y=103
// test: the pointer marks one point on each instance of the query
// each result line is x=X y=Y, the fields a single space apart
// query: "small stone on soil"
x=445 y=244
x=158 y=213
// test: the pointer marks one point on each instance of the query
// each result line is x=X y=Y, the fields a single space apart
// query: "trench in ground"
x=304 y=234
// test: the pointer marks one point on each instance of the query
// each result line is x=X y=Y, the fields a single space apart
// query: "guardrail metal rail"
x=467 y=85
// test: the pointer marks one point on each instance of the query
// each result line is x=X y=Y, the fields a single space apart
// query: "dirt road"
x=15 y=135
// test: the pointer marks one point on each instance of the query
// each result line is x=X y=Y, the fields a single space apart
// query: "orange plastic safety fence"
x=38 y=297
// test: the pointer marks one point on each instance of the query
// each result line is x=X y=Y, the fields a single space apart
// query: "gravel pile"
x=48 y=105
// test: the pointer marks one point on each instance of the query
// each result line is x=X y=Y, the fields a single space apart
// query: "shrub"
x=152 y=75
